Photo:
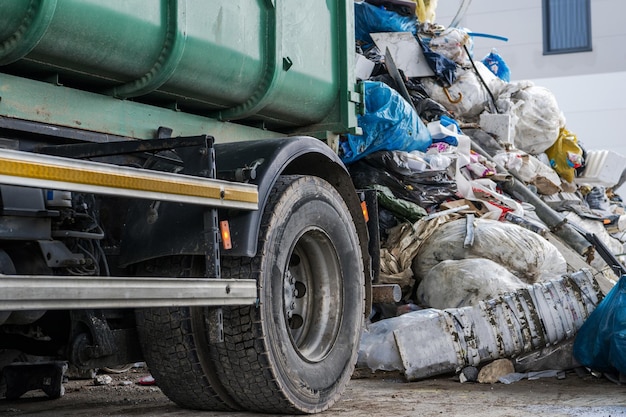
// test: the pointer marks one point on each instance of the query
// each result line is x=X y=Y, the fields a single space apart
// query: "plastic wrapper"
x=485 y=191
x=430 y=110
x=525 y=254
x=400 y=208
x=496 y=64
x=365 y=175
x=446 y=129
x=464 y=282
x=399 y=162
x=434 y=187
x=484 y=140
x=389 y=123
x=535 y=115
x=530 y=170
x=373 y=19
x=601 y=341
x=450 y=43
x=516 y=376
x=426 y=188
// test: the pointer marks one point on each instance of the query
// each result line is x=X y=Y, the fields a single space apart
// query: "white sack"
x=465 y=282
x=534 y=113
x=525 y=254
x=468 y=89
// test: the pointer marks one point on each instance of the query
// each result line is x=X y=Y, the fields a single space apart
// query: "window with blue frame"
x=566 y=26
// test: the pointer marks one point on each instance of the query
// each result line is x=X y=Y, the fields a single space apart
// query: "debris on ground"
x=503 y=232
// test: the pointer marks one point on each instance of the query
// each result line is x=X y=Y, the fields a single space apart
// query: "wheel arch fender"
x=179 y=228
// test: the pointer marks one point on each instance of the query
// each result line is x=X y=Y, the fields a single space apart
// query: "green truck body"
x=171 y=193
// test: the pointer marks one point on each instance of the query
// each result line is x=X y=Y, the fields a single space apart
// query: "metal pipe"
x=27 y=292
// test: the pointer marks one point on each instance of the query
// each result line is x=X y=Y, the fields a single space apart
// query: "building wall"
x=521 y=23
x=589 y=86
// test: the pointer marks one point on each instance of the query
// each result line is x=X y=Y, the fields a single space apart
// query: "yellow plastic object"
x=425 y=10
x=565 y=155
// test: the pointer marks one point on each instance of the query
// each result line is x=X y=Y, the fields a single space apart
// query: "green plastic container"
x=283 y=65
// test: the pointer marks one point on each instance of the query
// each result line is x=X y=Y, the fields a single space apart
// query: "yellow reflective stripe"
x=76 y=175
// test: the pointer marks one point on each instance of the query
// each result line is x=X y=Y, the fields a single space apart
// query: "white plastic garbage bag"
x=535 y=115
x=467 y=98
x=525 y=254
x=465 y=282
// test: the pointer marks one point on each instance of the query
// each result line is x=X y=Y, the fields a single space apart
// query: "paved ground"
x=383 y=395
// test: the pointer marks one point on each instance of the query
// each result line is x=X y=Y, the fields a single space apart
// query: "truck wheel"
x=295 y=351
x=175 y=344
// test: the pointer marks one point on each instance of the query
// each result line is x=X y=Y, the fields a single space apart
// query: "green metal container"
x=283 y=65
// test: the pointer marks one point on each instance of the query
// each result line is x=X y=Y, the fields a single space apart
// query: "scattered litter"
x=501 y=230
x=516 y=376
x=102 y=380
x=146 y=380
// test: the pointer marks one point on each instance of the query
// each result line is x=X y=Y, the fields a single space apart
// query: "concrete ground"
x=385 y=394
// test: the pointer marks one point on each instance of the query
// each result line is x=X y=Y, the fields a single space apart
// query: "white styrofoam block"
x=602 y=168
x=363 y=67
x=498 y=125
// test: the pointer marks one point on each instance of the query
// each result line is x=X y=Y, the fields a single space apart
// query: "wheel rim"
x=313 y=295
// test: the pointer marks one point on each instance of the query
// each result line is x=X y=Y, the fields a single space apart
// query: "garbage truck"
x=171 y=193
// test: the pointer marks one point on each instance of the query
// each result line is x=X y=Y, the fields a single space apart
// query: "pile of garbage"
x=502 y=231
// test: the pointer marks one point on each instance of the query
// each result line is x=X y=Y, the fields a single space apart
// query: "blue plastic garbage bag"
x=373 y=19
x=601 y=341
x=452 y=125
x=390 y=123
x=496 y=64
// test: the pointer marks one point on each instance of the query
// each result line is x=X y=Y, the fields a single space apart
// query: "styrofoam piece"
x=602 y=168
x=498 y=125
x=363 y=67
x=545 y=313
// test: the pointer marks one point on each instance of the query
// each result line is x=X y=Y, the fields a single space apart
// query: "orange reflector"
x=366 y=215
x=606 y=221
x=225 y=232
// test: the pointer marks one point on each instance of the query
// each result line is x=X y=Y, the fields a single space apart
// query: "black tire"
x=263 y=364
x=175 y=344
x=296 y=353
